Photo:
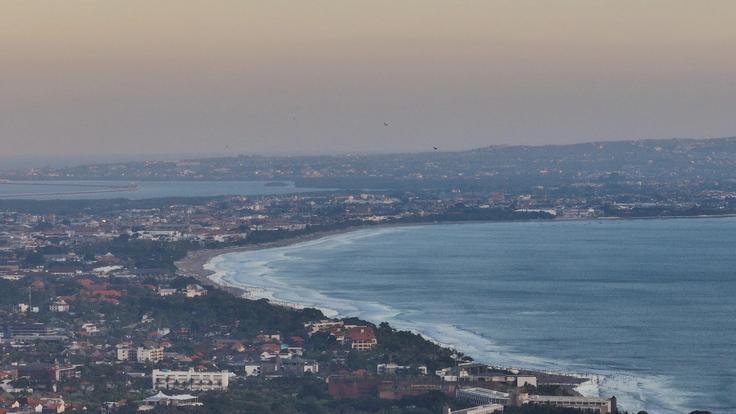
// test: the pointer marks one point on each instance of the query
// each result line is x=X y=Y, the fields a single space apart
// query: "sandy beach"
x=194 y=264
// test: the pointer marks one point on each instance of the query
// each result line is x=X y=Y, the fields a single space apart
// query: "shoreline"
x=591 y=383
x=193 y=264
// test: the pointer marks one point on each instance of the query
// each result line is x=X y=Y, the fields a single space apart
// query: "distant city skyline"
x=133 y=79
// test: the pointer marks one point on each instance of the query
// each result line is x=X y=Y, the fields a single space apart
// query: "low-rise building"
x=391 y=369
x=194 y=290
x=361 y=338
x=59 y=305
x=481 y=409
x=481 y=396
x=600 y=405
x=123 y=352
x=190 y=380
x=149 y=354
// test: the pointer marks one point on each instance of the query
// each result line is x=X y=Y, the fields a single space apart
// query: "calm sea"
x=648 y=305
x=86 y=190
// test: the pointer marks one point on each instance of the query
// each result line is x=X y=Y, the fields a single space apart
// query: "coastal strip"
x=194 y=265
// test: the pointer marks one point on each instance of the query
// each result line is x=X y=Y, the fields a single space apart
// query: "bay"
x=647 y=306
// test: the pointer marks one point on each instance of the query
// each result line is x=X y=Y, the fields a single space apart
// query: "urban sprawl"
x=105 y=306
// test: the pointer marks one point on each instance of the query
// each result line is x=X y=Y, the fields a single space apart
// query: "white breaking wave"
x=257 y=272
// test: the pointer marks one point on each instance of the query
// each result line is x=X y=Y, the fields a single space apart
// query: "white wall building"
x=481 y=396
x=601 y=405
x=151 y=354
x=190 y=380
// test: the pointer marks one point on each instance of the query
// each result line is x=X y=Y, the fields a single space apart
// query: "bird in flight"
x=385 y=124
x=435 y=148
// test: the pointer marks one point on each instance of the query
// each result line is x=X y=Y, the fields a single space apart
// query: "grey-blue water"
x=88 y=190
x=647 y=304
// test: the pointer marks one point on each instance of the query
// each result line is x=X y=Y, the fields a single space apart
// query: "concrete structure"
x=59 y=305
x=391 y=369
x=123 y=352
x=149 y=354
x=194 y=290
x=323 y=326
x=481 y=396
x=601 y=405
x=190 y=380
x=481 y=409
x=294 y=367
x=474 y=372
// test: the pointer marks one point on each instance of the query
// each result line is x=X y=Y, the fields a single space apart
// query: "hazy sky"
x=315 y=76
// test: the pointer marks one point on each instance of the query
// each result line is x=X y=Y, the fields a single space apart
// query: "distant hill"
x=667 y=163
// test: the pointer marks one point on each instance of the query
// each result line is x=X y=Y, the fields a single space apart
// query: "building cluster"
x=92 y=304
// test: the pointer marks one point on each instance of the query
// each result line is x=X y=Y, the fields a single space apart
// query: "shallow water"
x=647 y=304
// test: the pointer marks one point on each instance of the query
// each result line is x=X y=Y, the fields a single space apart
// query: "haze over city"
x=124 y=78
x=367 y=207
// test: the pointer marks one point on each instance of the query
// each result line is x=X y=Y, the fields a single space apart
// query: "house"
x=166 y=291
x=52 y=405
x=323 y=326
x=59 y=305
x=89 y=329
x=21 y=308
x=361 y=338
x=194 y=290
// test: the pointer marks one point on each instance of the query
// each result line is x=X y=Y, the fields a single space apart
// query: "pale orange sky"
x=316 y=76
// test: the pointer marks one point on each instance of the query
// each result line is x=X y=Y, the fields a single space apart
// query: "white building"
x=122 y=352
x=601 y=405
x=190 y=380
x=149 y=354
x=481 y=396
x=481 y=409
x=59 y=305
x=194 y=290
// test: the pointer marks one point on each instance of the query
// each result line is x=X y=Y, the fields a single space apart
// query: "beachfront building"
x=481 y=396
x=194 y=290
x=324 y=325
x=361 y=338
x=190 y=380
x=600 y=405
x=481 y=409
x=474 y=372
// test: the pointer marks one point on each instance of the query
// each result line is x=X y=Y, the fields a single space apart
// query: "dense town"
x=96 y=317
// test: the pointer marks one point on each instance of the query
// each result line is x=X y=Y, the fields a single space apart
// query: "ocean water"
x=95 y=190
x=647 y=306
